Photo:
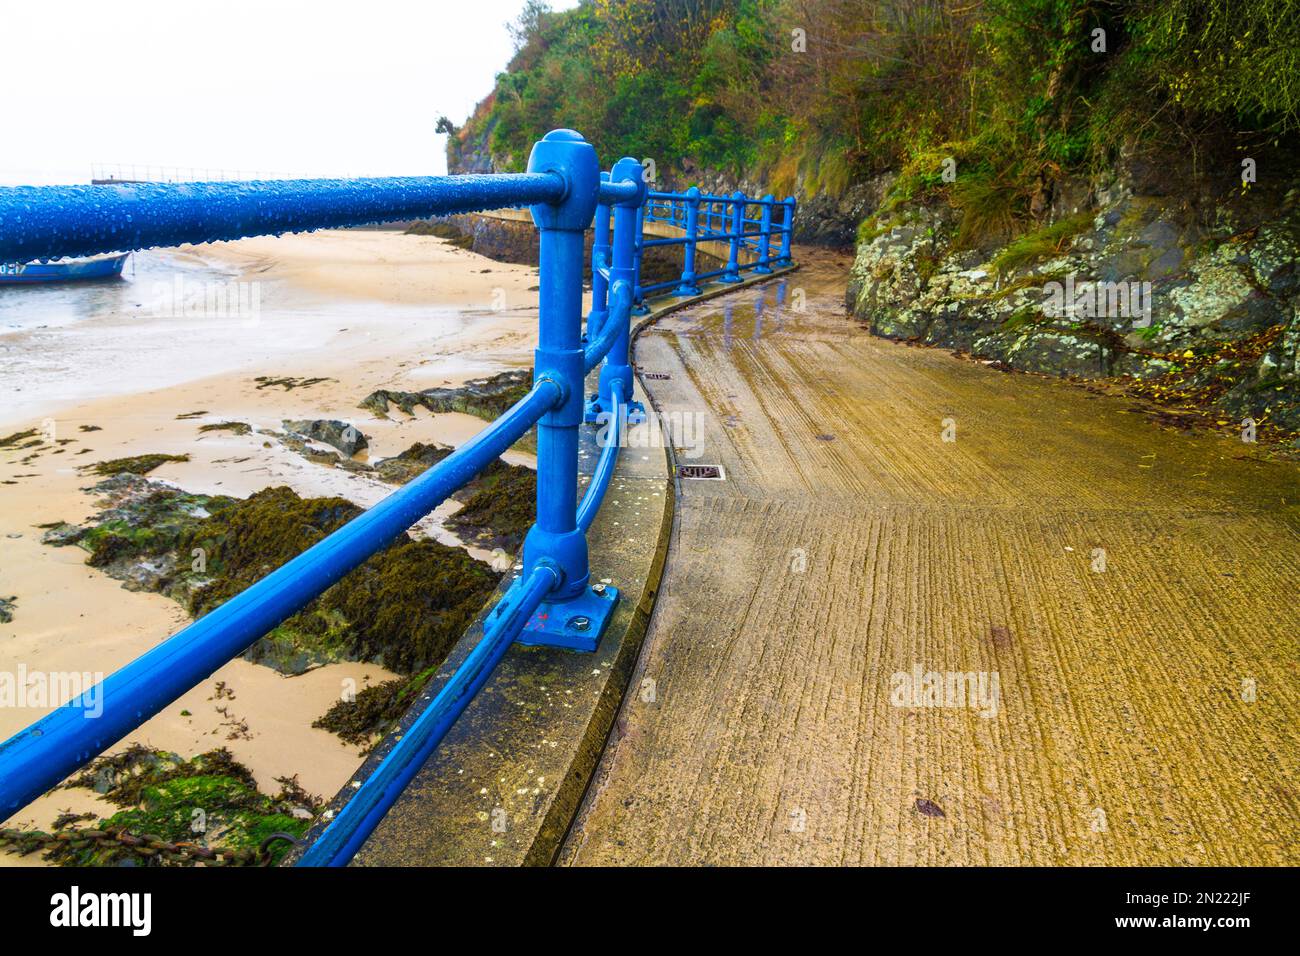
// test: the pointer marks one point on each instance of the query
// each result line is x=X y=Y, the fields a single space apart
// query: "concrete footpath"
x=895 y=524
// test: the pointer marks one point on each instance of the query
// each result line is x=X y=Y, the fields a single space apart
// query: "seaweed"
x=416 y=460
x=288 y=382
x=237 y=428
x=374 y=711
x=403 y=608
x=135 y=465
x=10 y=441
x=500 y=509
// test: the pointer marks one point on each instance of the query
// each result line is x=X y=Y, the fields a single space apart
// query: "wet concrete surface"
x=1118 y=599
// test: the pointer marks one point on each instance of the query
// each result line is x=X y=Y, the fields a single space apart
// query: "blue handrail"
x=361 y=814
x=704 y=218
x=621 y=310
x=41 y=222
x=604 y=467
x=566 y=191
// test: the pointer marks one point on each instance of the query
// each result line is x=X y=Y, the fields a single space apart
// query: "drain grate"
x=656 y=376
x=701 y=472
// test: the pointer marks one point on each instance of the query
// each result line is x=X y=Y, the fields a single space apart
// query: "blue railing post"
x=638 y=298
x=765 y=237
x=787 y=227
x=691 y=206
x=573 y=615
x=737 y=230
x=600 y=251
x=616 y=373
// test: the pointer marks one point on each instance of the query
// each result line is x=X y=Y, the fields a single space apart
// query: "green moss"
x=992 y=201
x=136 y=465
x=144 y=519
x=877 y=224
x=117 y=540
x=927 y=265
x=1023 y=318
x=1032 y=280
x=210 y=799
x=869 y=230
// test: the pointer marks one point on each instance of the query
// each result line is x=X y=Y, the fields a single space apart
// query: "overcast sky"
x=320 y=88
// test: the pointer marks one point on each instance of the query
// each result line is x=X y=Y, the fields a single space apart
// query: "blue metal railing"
x=552 y=601
x=709 y=218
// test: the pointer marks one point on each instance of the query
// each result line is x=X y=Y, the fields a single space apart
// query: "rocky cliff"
x=1187 y=290
x=469 y=147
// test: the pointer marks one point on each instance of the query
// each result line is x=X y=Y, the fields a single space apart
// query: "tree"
x=530 y=22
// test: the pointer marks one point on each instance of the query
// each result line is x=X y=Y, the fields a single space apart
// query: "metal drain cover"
x=656 y=376
x=701 y=472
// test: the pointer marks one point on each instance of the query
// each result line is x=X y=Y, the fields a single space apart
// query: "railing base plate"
x=592 y=410
x=576 y=624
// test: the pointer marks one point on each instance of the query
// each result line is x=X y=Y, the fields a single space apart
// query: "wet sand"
x=363 y=310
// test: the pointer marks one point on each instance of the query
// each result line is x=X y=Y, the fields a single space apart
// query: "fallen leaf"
x=929 y=808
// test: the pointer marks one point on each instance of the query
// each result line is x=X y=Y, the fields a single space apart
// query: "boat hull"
x=72 y=270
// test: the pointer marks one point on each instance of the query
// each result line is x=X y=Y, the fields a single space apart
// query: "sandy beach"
x=359 y=310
